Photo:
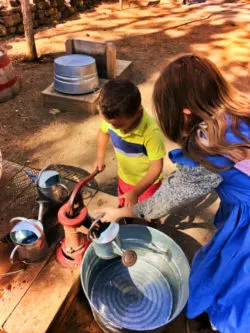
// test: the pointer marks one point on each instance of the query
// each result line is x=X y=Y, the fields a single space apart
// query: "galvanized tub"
x=75 y=74
x=141 y=298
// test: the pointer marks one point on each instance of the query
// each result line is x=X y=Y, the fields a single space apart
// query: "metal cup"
x=29 y=238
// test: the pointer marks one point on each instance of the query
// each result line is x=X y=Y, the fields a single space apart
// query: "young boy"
x=137 y=140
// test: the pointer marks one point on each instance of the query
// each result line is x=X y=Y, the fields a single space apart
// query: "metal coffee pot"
x=107 y=244
x=29 y=239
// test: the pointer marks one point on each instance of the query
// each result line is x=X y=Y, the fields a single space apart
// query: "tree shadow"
x=184 y=219
x=150 y=38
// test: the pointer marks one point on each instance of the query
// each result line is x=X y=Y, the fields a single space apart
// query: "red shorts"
x=124 y=188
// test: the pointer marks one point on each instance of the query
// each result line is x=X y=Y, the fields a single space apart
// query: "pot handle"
x=117 y=248
x=15 y=220
x=40 y=173
x=12 y=255
x=90 y=238
x=65 y=188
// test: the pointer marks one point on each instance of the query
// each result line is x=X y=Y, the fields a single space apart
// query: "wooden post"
x=111 y=60
x=69 y=46
x=31 y=53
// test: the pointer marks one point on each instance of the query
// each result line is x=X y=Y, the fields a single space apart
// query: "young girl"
x=210 y=120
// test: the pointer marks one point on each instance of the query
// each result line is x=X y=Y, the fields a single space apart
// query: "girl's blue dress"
x=220 y=275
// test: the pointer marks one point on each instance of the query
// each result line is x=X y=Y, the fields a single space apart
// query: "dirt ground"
x=150 y=34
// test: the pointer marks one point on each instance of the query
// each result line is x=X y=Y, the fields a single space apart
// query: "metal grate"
x=18 y=194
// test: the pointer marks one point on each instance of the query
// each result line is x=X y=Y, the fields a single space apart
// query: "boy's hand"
x=130 y=197
x=99 y=165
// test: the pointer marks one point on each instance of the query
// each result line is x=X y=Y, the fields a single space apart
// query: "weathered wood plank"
x=13 y=289
x=65 y=309
x=39 y=306
x=111 y=60
x=91 y=48
x=78 y=103
x=123 y=68
x=101 y=200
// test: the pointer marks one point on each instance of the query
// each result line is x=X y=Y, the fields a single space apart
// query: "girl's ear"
x=187 y=112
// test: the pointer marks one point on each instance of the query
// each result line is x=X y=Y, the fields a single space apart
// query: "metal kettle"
x=49 y=185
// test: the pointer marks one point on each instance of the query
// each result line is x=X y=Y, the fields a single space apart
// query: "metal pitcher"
x=49 y=184
x=29 y=238
x=107 y=245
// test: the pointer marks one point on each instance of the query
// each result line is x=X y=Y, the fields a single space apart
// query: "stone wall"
x=44 y=12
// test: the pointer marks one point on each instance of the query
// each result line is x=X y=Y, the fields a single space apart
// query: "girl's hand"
x=130 y=197
x=99 y=165
x=114 y=214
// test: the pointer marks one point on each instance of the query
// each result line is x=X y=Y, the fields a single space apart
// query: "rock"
x=11 y=30
x=58 y=15
x=3 y=30
x=49 y=12
x=53 y=3
x=14 y=3
x=14 y=19
x=61 y=5
x=33 y=7
x=70 y=9
x=40 y=5
x=47 y=4
x=43 y=21
x=20 y=29
x=40 y=14
x=6 y=11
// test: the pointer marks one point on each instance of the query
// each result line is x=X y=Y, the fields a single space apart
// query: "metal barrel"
x=9 y=85
x=75 y=74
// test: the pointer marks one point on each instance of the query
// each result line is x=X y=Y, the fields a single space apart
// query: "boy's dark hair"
x=119 y=97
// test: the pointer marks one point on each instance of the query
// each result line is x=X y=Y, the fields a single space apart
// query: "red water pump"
x=73 y=216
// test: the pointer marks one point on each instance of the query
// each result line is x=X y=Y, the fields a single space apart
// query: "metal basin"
x=75 y=74
x=141 y=298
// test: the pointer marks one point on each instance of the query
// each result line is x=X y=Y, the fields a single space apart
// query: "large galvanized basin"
x=75 y=74
x=141 y=298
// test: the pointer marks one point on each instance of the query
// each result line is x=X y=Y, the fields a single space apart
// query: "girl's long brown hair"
x=195 y=83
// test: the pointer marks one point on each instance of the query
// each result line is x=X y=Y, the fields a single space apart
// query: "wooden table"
x=37 y=299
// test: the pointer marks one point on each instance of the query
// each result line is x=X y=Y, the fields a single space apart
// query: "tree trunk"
x=31 y=53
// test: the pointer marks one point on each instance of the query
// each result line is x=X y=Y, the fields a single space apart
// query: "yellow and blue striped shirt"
x=134 y=150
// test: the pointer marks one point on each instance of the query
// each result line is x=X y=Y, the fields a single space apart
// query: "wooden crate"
x=108 y=67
